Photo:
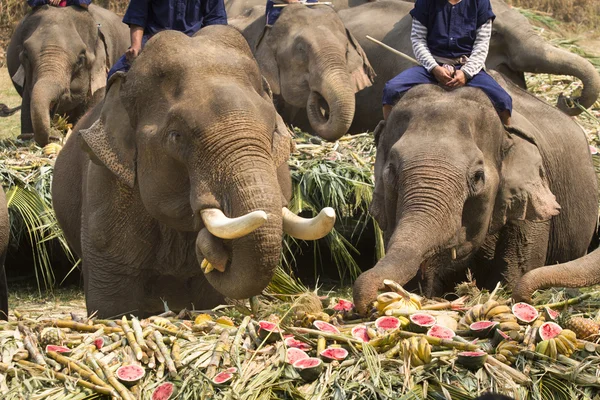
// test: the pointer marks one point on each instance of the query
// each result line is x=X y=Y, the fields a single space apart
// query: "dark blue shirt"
x=186 y=16
x=451 y=29
x=273 y=12
x=37 y=3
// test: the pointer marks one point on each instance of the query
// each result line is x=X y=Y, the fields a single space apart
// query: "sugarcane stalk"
x=131 y=339
x=321 y=345
x=326 y=335
x=56 y=366
x=518 y=377
x=529 y=341
x=93 y=364
x=90 y=348
x=253 y=335
x=78 y=326
x=587 y=346
x=150 y=342
x=31 y=346
x=152 y=361
x=394 y=351
x=85 y=373
x=217 y=354
x=118 y=386
x=176 y=354
x=180 y=334
x=160 y=371
x=101 y=389
x=158 y=339
x=88 y=340
x=139 y=336
x=147 y=331
x=113 y=346
x=568 y=302
x=235 y=348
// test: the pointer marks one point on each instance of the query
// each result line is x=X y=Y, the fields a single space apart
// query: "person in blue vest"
x=273 y=12
x=148 y=17
x=450 y=39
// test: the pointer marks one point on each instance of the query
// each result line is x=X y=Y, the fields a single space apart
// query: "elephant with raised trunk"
x=180 y=190
x=313 y=65
x=455 y=190
x=58 y=59
x=515 y=48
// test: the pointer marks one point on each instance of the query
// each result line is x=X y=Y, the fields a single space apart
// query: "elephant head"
x=312 y=61
x=515 y=48
x=197 y=137
x=58 y=58
x=446 y=175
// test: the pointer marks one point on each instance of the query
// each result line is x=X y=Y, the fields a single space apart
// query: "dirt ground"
x=9 y=126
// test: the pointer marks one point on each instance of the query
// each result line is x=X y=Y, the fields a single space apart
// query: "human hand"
x=460 y=79
x=132 y=53
x=54 y=3
x=442 y=75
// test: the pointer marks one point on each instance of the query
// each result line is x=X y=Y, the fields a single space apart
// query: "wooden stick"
x=398 y=53
x=321 y=3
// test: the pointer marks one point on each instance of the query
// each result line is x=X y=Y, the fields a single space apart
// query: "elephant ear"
x=283 y=142
x=359 y=67
x=524 y=192
x=110 y=139
x=101 y=64
x=265 y=56
x=377 y=207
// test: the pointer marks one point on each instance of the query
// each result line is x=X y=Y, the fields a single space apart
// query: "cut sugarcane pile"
x=460 y=348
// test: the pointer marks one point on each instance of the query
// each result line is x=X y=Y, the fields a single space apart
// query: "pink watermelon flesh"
x=269 y=326
x=292 y=355
x=58 y=349
x=334 y=353
x=525 y=312
x=232 y=370
x=343 y=305
x=387 y=323
x=222 y=377
x=551 y=313
x=307 y=363
x=163 y=392
x=482 y=325
x=325 y=327
x=130 y=373
x=472 y=353
x=99 y=343
x=422 y=319
x=291 y=342
x=360 y=332
x=549 y=330
x=441 y=332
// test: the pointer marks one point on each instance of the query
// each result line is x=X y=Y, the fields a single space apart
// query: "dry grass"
x=581 y=12
x=10 y=127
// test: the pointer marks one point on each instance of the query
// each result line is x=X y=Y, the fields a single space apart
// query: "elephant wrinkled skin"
x=515 y=48
x=454 y=190
x=58 y=59
x=186 y=136
x=311 y=62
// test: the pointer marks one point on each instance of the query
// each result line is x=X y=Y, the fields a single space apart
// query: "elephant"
x=455 y=189
x=514 y=49
x=235 y=8
x=4 y=235
x=174 y=187
x=58 y=59
x=319 y=68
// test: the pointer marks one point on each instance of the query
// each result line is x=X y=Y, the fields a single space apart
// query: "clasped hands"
x=445 y=78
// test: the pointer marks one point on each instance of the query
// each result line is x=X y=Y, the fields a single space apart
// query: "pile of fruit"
x=406 y=343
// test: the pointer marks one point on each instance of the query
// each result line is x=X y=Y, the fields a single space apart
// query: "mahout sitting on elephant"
x=455 y=190
x=58 y=59
x=4 y=234
x=515 y=48
x=185 y=171
x=312 y=63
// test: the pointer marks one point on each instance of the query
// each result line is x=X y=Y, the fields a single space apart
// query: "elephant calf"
x=186 y=166
x=58 y=59
x=454 y=190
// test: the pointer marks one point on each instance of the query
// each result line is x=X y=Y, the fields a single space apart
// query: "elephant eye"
x=81 y=59
x=479 y=176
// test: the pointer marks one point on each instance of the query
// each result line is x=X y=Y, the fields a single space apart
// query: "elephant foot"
x=25 y=136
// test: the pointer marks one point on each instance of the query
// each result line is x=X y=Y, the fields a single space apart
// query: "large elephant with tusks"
x=181 y=191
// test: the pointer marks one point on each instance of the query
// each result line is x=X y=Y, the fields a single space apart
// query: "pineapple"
x=584 y=328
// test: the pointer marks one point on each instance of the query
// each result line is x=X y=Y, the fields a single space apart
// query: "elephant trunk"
x=582 y=272
x=330 y=105
x=425 y=227
x=535 y=55
x=252 y=259
x=45 y=94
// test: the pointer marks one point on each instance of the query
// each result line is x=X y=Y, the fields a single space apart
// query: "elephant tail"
x=5 y=111
x=582 y=272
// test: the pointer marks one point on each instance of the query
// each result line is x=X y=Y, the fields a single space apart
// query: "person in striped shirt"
x=450 y=39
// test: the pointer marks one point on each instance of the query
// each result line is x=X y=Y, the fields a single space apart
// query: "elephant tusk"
x=308 y=228
x=232 y=228
x=453 y=253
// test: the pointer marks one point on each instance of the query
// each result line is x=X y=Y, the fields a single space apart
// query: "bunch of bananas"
x=396 y=301
x=417 y=349
x=305 y=319
x=507 y=351
x=565 y=343
x=491 y=311
x=51 y=149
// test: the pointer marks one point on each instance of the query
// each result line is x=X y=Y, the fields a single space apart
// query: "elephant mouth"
x=318 y=107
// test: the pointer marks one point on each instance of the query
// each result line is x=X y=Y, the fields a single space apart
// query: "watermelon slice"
x=441 y=332
x=472 y=359
x=360 y=332
x=163 y=391
x=292 y=355
x=309 y=368
x=525 y=313
x=269 y=331
x=326 y=327
x=387 y=323
x=483 y=329
x=549 y=330
x=291 y=342
x=334 y=354
x=343 y=305
x=222 y=378
x=421 y=322
x=65 y=351
x=130 y=374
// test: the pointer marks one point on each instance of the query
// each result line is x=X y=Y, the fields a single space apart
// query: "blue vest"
x=451 y=29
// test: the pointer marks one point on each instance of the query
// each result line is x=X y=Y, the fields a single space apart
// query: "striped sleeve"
x=418 y=36
x=480 y=50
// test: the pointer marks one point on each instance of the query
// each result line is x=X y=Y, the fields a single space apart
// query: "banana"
x=372 y=333
x=569 y=334
x=552 y=350
x=571 y=347
x=542 y=347
x=499 y=309
x=501 y=358
x=422 y=352
x=404 y=322
x=561 y=348
x=487 y=306
x=504 y=317
x=427 y=355
x=388 y=298
x=476 y=311
x=509 y=326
